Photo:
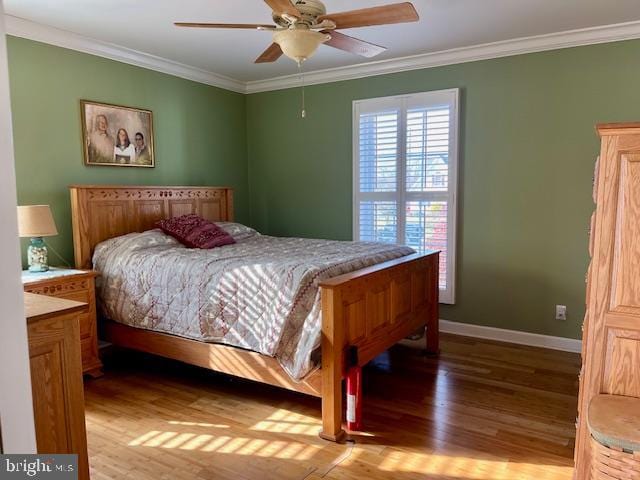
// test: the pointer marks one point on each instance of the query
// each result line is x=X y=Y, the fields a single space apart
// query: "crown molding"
x=518 y=46
x=19 y=27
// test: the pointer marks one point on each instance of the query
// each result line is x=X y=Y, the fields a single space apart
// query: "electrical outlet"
x=561 y=312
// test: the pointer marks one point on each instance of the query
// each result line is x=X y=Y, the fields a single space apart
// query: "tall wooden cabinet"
x=611 y=331
x=56 y=376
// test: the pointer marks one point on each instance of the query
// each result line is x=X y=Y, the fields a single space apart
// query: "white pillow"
x=238 y=231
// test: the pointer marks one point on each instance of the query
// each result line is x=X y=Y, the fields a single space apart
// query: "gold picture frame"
x=117 y=136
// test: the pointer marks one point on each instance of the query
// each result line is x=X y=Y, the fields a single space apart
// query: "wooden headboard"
x=100 y=212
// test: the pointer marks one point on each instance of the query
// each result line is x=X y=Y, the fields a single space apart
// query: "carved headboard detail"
x=100 y=212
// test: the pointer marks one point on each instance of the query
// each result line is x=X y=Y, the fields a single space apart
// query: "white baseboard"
x=511 y=336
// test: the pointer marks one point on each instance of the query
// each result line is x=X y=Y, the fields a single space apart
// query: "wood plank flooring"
x=481 y=411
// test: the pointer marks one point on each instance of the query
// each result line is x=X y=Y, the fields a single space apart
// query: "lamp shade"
x=299 y=44
x=36 y=221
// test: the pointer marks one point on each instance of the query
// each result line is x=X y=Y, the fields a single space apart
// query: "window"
x=405 y=161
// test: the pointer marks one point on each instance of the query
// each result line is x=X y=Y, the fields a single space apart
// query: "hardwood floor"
x=481 y=411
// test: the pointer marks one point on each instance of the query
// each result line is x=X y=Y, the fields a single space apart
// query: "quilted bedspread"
x=261 y=293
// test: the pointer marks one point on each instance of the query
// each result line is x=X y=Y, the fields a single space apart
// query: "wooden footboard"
x=373 y=309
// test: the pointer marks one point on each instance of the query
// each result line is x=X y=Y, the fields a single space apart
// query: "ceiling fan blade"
x=283 y=6
x=271 y=54
x=353 y=45
x=366 y=17
x=251 y=26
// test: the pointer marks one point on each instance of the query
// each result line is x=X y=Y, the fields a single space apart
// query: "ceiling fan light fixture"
x=299 y=44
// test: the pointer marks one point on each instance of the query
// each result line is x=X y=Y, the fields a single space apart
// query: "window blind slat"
x=427 y=149
x=426 y=229
x=378 y=140
x=378 y=221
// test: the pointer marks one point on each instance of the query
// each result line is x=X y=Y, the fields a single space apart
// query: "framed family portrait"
x=117 y=136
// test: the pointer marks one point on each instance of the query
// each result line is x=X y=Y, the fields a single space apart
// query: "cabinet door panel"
x=48 y=398
x=625 y=283
x=57 y=388
x=622 y=375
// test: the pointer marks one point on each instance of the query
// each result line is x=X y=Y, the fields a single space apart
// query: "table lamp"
x=36 y=221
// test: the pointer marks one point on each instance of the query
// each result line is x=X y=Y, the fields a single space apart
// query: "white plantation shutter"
x=405 y=162
x=379 y=151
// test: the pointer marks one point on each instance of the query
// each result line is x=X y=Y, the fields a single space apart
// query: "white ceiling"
x=146 y=26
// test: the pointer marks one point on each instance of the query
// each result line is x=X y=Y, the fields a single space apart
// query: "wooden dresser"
x=56 y=376
x=76 y=285
x=611 y=331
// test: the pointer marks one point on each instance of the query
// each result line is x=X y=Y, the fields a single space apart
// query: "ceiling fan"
x=302 y=25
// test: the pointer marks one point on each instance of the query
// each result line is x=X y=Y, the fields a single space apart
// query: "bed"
x=369 y=308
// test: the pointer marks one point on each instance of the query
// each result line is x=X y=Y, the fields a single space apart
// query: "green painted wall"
x=527 y=151
x=527 y=155
x=200 y=131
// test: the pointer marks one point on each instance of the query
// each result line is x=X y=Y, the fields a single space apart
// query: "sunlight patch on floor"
x=470 y=468
x=285 y=421
x=390 y=460
x=198 y=424
x=225 y=444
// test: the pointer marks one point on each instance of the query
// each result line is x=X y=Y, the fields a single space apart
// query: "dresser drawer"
x=60 y=289
x=78 y=296
x=85 y=318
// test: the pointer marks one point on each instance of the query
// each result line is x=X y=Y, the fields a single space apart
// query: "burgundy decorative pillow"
x=195 y=232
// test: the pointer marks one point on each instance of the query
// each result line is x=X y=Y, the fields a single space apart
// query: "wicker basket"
x=614 y=423
x=613 y=464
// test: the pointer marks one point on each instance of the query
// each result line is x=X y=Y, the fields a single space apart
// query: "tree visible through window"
x=405 y=154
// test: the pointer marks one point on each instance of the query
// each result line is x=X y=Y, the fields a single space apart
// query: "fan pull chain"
x=303 y=112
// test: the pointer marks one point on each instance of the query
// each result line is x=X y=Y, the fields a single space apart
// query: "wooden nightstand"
x=76 y=285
